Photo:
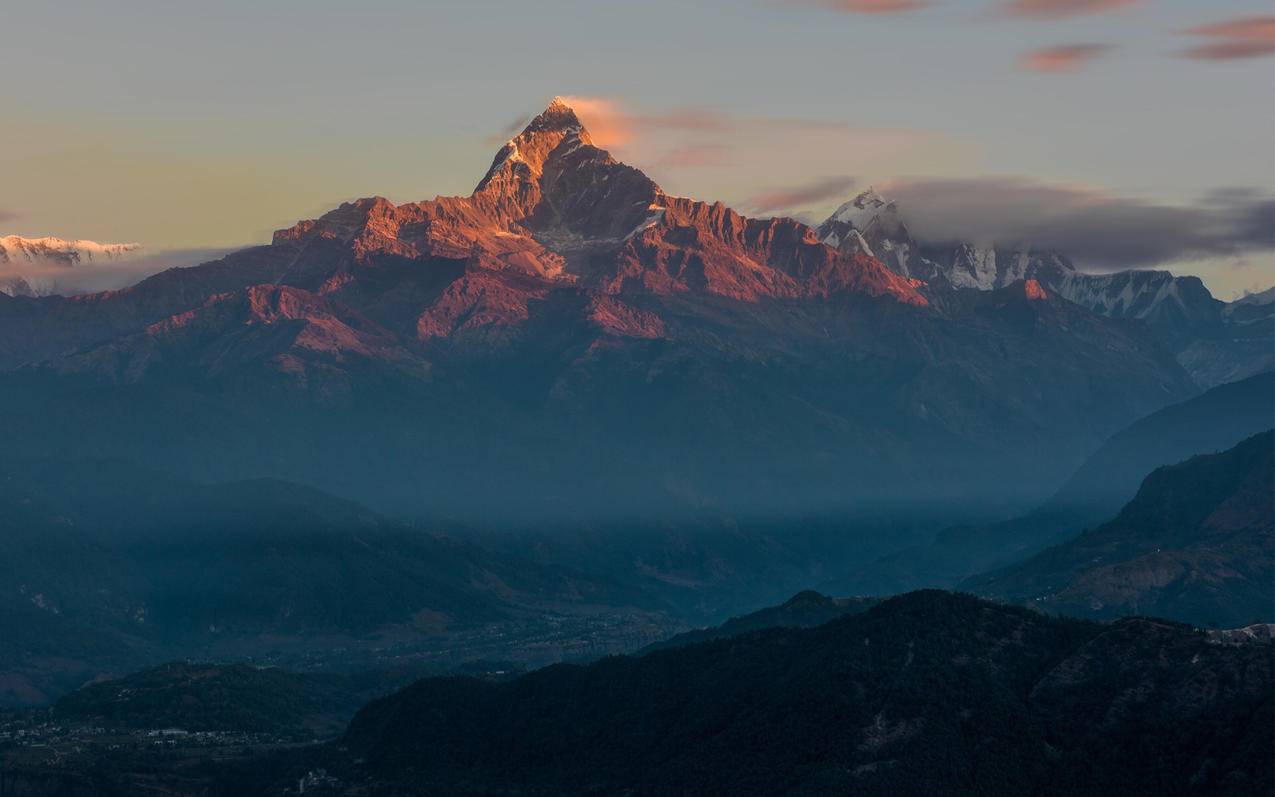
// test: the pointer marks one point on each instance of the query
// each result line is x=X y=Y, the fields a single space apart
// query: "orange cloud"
x=1055 y=9
x=612 y=125
x=749 y=160
x=684 y=119
x=781 y=199
x=693 y=156
x=607 y=123
x=1247 y=37
x=1066 y=58
x=874 y=6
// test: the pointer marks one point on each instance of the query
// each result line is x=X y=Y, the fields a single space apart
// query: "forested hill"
x=927 y=693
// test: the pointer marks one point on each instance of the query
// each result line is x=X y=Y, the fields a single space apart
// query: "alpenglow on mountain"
x=570 y=339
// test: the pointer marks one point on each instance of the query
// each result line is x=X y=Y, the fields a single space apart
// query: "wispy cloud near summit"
x=1247 y=37
x=1099 y=229
x=764 y=164
x=1065 y=58
x=612 y=124
x=867 y=6
x=798 y=196
x=1057 y=9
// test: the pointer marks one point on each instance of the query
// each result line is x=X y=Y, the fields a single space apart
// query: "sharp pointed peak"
x=555 y=129
x=558 y=116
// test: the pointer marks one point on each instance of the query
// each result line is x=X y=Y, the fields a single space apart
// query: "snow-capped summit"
x=862 y=208
x=28 y=265
x=60 y=251
x=880 y=223
x=1179 y=308
x=872 y=224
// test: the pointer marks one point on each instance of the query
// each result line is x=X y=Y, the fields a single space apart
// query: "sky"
x=1135 y=133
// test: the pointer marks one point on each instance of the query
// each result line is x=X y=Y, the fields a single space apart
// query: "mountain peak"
x=557 y=117
x=524 y=155
x=863 y=208
x=869 y=198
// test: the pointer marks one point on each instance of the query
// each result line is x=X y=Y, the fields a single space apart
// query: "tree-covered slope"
x=928 y=693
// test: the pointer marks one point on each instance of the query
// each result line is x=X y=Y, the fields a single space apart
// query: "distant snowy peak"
x=1149 y=295
x=16 y=286
x=873 y=224
x=870 y=225
x=988 y=268
x=30 y=266
x=16 y=250
x=862 y=209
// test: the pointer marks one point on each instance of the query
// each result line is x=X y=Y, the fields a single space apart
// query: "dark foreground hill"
x=1196 y=544
x=227 y=698
x=928 y=693
x=806 y=609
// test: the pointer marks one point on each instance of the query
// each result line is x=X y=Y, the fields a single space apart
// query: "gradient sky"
x=182 y=125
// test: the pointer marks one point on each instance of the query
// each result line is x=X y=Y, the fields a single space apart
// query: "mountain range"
x=1215 y=341
x=579 y=343
x=16 y=251
x=1196 y=544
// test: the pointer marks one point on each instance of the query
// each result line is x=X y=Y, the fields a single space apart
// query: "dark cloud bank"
x=1098 y=230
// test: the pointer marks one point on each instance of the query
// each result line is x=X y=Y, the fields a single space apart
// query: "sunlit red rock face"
x=571 y=336
x=277 y=328
x=553 y=205
x=553 y=215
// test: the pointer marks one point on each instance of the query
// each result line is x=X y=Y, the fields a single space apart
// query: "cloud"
x=694 y=156
x=513 y=128
x=701 y=119
x=102 y=275
x=868 y=6
x=1246 y=37
x=798 y=196
x=1065 y=58
x=1097 y=229
x=7 y=215
x=611 y=124
x=1057 y=9
x=737 y=158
